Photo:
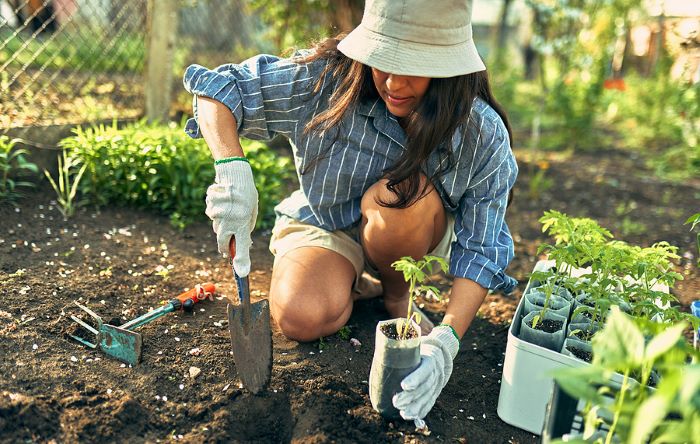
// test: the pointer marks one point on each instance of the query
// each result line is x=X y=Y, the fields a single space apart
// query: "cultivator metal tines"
x=118 y=342
x=121 y=342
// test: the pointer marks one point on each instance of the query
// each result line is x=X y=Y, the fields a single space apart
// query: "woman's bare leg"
x=389 y=233
x=310 y=293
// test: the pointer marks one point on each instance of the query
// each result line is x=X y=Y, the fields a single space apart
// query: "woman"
x=400 y=149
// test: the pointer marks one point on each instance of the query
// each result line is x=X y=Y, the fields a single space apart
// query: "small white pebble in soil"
x=226 y=387
x=158 y=397
x=123 y=366
x=196 y=351
x=177 y=339
x=461 y=410
x=471 y=418
x=160 y=352
x=312 y=353
x=35 y=346
x=194 y=372
x=73 y=359
x=484 y=415
x=109 y=391
x=164 y=398
x=181 y=386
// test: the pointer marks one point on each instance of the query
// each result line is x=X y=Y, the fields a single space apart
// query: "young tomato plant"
x=631 y=410
x=416 y=273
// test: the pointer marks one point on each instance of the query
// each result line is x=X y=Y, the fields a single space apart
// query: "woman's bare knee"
x=305 y=322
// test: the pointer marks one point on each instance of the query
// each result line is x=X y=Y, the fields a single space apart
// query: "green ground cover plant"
x=159 y=167
x=14 y=170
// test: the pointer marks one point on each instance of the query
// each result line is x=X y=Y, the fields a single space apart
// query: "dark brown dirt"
x=582 y=354
x=122 y=262
x=547 y=325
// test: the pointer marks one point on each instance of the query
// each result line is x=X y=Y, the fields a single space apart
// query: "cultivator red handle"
x=186 y=300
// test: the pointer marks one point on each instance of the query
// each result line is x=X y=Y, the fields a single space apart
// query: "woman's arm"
x=219 y=128
x=465 y=299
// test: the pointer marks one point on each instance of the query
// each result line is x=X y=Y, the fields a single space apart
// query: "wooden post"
x=162 y=29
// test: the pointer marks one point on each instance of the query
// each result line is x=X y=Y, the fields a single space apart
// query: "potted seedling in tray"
x=397 y=341
x=543 y=324
x=617 y=390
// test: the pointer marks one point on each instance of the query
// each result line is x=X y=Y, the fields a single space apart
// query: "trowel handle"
x=243 y=289
x=199 y=293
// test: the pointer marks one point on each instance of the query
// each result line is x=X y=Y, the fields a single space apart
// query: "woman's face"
x=402 y=94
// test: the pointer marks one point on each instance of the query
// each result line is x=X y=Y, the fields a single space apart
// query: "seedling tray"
x=527 y=382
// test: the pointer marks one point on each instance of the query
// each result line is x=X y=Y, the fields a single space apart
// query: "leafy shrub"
x=13 y=167
x=160 y=167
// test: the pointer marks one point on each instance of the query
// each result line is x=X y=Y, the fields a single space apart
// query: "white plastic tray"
x=526 y=383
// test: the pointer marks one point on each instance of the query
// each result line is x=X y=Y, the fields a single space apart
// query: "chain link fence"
x=68 y=62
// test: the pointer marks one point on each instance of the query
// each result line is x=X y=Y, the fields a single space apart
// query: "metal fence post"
x=162 y=27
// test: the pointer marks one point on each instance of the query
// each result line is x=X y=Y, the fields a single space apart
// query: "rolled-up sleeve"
x=484 y=247
x=266 y=94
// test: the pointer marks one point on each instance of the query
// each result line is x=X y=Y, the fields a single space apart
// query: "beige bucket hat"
x=427 y=38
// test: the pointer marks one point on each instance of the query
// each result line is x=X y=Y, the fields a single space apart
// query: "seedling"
x=631 y=411
x=68 y=182
x=13 y=164
x=416 y=273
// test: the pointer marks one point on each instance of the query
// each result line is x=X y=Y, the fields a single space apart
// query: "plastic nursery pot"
x=393 y=360
x=581 y=331
x=534 y=301
x=547 y=334
x=577 y=349
x=582 y=299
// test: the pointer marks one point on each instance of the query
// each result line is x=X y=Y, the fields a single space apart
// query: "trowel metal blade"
x=122 y=344
x=252 y=344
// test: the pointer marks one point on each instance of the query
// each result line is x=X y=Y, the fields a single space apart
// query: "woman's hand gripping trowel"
x=251 y=338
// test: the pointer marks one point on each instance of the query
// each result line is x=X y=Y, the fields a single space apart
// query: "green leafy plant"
x=620 y=274
x=13 y=167
x=416 y=273
x=68 y=181
x=344 y=333
x=160 y=168
x=632 y=411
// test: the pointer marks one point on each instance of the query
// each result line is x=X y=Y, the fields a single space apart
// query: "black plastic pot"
x=393 y=360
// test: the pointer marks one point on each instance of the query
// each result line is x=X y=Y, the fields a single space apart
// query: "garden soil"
x=123 y=262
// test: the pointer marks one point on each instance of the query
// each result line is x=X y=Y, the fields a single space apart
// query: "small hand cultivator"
x=124 y=344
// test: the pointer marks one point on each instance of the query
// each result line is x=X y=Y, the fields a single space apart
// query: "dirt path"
x=122 y=262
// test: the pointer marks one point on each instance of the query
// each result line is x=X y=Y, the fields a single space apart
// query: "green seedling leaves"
x=620 y=345
x=582 y=382
x=664 y=342
x=416 y=273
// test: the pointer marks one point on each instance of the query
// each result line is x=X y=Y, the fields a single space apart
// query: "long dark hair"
x=445 y=106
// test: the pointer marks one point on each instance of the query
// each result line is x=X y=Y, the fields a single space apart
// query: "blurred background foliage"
x=573 y=75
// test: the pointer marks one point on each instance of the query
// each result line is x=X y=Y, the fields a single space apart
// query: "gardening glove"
x=232 y=205
x=422 y=387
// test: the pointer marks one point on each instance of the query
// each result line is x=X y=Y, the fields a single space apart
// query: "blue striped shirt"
x=269 y=96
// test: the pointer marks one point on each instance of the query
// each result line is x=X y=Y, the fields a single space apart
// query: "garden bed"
x=54 y=388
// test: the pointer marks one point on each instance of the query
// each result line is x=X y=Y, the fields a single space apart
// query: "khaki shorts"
x=289 y=234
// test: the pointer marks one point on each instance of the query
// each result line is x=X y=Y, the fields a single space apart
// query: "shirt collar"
x=383 y=120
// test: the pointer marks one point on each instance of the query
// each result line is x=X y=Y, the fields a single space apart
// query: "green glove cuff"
x=230 y=159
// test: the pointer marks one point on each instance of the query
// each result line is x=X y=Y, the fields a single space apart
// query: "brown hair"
x=445 y=106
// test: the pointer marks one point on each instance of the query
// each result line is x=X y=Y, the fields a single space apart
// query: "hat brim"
x=411 y=58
